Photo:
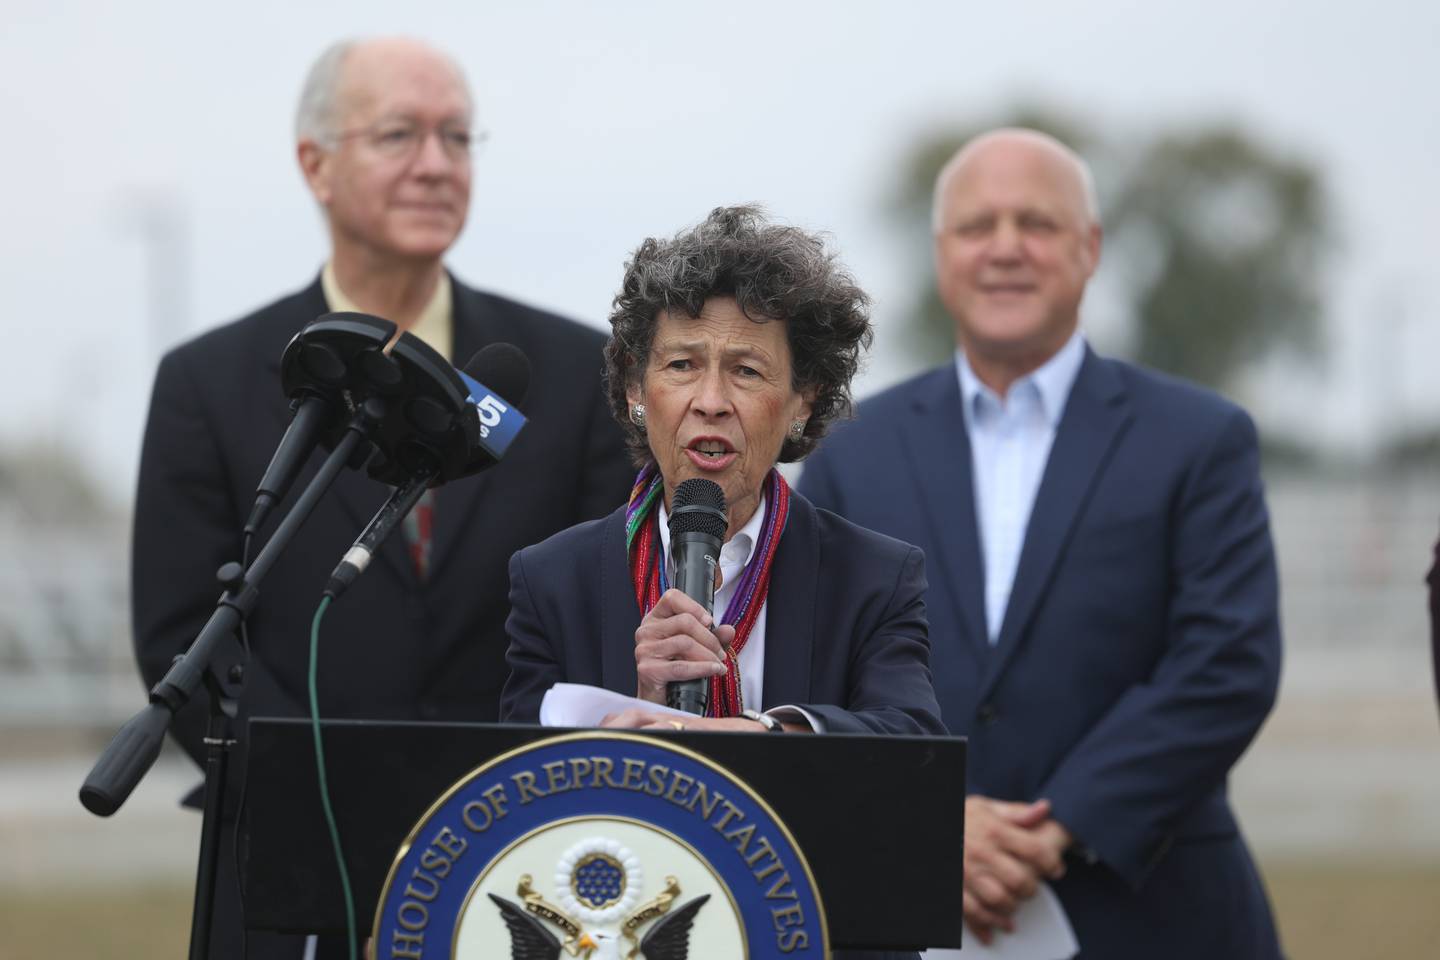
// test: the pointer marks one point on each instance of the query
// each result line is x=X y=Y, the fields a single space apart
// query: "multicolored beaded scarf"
x=647 y=572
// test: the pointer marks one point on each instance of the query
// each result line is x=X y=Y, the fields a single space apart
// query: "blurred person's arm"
x=1434 y=580
x=1169 y=741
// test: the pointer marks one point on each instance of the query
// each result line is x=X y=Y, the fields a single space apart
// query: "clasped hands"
x=678 y=640
x=1010 y=848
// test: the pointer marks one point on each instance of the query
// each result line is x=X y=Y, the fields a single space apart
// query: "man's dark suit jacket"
x=845 y=634
x=1140 y=649
x=394 y=646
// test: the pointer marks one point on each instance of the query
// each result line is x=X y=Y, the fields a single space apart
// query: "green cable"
x=324 y=785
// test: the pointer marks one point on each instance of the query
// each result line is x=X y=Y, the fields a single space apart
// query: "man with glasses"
x=384 y=138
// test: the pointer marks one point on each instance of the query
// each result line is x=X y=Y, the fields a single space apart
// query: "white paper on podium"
x=1042 y=932
x=581 y=705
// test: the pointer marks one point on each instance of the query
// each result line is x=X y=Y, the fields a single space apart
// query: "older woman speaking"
x=733 y=346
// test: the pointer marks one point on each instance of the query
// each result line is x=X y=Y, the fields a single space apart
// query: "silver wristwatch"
x=770 y=724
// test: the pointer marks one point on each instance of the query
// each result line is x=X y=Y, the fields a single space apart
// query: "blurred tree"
x=1221 y=246
x=1215 y=244
x=39 y=484
x=1412 y=448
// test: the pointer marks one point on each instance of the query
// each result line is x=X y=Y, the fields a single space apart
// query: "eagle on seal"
x=668 y=939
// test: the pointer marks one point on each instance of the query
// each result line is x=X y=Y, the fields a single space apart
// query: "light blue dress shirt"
x=1010 y=441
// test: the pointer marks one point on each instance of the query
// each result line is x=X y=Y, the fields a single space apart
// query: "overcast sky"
x=613 y=121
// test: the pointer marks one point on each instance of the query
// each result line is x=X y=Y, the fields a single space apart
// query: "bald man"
x=1103 y=597
x=384 y=138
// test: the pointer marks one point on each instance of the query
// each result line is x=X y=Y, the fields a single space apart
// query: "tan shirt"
x=435 y=325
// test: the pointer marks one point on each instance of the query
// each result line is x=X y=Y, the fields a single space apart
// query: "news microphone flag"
x=499 y=421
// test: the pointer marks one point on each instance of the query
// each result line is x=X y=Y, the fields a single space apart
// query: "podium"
x=878 y=818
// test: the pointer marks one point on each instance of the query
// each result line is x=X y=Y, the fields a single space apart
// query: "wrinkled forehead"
x=412 y=85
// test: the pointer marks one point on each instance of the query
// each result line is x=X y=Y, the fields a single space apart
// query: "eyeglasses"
x=398 y=139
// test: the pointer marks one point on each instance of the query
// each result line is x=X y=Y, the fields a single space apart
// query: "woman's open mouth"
x=710 y=453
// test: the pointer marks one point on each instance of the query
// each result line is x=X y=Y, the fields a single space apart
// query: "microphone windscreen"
x=504 y=368
x=698 y=507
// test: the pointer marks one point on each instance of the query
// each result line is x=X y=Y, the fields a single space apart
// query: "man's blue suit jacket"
x=1140 y=649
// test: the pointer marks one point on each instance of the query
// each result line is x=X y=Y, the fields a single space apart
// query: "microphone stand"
x=133 y=750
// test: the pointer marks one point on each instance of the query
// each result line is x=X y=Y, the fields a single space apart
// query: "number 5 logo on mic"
x=499 y=422
x=490 y=410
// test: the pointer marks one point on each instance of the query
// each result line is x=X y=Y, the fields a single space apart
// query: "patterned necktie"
x=418 y=526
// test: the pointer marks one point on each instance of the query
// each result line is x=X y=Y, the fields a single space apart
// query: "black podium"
x=880 y=819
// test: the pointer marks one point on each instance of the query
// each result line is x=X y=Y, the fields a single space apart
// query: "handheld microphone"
x=697 y=527
x=502 y=364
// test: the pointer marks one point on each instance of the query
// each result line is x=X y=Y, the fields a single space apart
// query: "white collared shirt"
x=1010 y=440
x=435 y=325
x=734 y=555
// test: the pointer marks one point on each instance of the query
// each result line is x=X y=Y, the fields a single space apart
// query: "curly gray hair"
x=775 y=273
